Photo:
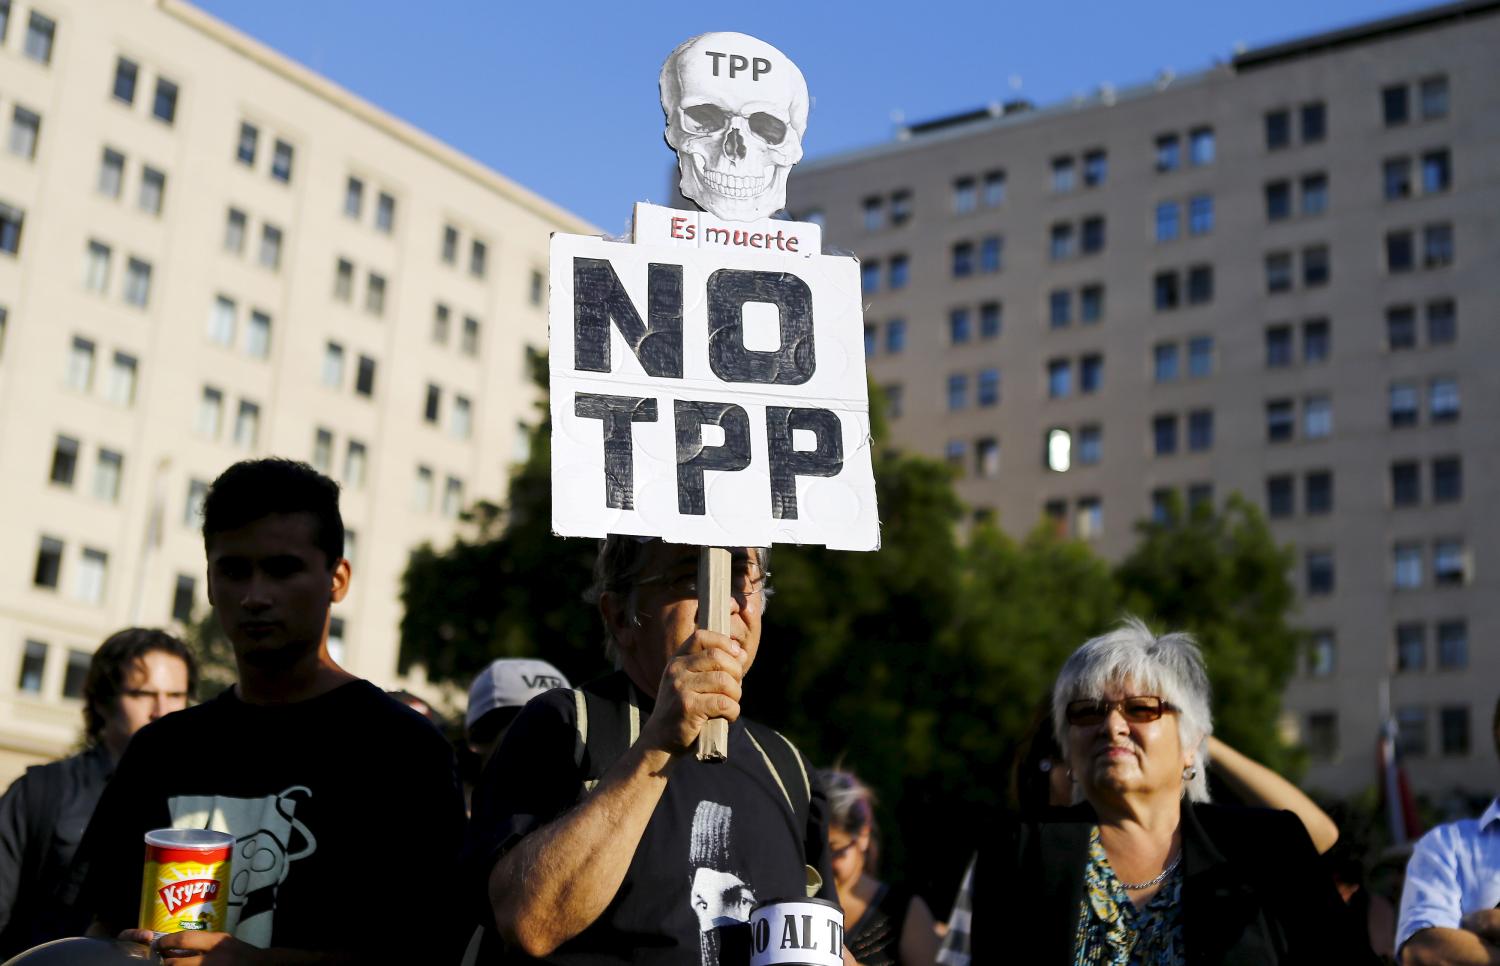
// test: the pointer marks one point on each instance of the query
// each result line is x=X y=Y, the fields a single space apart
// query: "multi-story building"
x=207 y=253
x=1270 y=278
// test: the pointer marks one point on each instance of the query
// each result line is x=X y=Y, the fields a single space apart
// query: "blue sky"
x=561 y=97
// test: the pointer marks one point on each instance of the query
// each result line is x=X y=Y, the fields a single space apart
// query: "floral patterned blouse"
x=1113 y=932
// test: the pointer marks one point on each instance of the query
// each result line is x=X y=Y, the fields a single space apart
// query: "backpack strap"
x=602 y=737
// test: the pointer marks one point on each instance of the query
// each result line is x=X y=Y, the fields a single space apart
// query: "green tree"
x=1222 y=577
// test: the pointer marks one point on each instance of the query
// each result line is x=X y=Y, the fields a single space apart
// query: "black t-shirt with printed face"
x=345 y=808
x=722 y=839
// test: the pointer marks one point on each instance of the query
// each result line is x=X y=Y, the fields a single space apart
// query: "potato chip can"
x=186 y=880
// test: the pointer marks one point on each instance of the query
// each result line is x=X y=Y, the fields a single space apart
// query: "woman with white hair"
x=1143 y=869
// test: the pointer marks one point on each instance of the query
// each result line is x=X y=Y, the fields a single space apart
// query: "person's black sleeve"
x=111 y=857
x=14 y=839
x=530 y=780
x=815 y=844
x=1319 y=926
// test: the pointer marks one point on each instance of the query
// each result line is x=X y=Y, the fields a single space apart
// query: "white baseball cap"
x=510 y=682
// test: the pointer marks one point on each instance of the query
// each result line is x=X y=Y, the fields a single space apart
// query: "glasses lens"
x=1142 y=709
x=1087 y=712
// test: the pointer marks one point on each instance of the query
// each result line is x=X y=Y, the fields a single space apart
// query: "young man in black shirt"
x=344 y=803
x=598 y=837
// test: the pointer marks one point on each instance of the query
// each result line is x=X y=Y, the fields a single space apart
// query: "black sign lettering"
x=793 y=362
x=599 y=298
x=762 y=935
x=714 y=55
x=808 y=942
x=786 y=463
x=789 y=933
x=617 y=412
x=835 y=934
x=758 y=66
x=694 y=459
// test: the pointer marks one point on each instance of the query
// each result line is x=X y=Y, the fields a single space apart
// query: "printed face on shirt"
x=667 y=606
x=154 y=684
x=1118 y=758
x=271 y=588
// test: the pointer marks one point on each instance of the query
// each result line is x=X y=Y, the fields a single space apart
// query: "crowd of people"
x=578 y=826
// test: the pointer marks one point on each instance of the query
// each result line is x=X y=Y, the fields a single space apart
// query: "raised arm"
x=1261 y=786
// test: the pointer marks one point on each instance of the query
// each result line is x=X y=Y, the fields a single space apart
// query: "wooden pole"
x=714 y=566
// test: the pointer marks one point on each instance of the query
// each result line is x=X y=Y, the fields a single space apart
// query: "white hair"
x=1170 y=666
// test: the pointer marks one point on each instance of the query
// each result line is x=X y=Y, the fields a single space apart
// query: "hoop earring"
x=1189 y=773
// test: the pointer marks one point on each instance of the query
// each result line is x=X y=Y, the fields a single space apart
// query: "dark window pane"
x=1280 y=497
x=1393 y=103
x=1278 y=130
x=1406 y=483
x=1318 y=497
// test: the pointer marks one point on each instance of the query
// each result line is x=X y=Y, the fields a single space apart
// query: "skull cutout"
x=736 y=112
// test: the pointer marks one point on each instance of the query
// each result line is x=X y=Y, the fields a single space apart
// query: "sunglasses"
x=1139 y=709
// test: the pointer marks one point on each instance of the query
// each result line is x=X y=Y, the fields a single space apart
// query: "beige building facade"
x=1272 y=278
x=209 y=253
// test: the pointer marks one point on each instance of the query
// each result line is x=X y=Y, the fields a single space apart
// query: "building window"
x=450 y=245
x=137 y=282
x=1317 y=341
x=432 y=407
x=270 y=247
x=959 y=329
x=183 y=596
x=1200 y=430
x=1318 y=492
x=1442 y=322
x=1393 y=105
x=1396 y=177
x=1406 y=566
x=258 y=335
x=48 y=563
x=1201 y=356
x=1322 y=654
x=477 y=258
x=468 y=342
x=1200 y=214
x=1164 y=362
x=900 y=208
x=126 y=72
x=958 y=392
x=1315 y=268
x=1437 y=245
x=990 y=251
x=1278 y=129
x=356 y=457
x=963 y=259
x=989 y=320
x=122 y=374
x=96 y=267
x=385 y=213
x=1432 y=93
x=1164 y=435
x=1166 y=221
x=987 y=457
x=874 y=214
x=245 y=147
x=1200 y=495
x=1442 y=400
x=354 y=197
x=1449 y=563
x=898 y=272
x=895 y=336
x=34 y=657
x=537 y=294
x=1406 y=483
x=1454 y=725
x=453 y=496
x=1059 y=379
x=1411 y=732
x=247 y=425
x=421 y=494
x=1059 y=452
x=76 y=673
x=1319 y=565
x=1411 y=647
x=1314 y=118
x=1201 y=146
x=1090 y=373
x=1088 y=522
x=1165 y=291
x=1279 y=272
x=1403 y=404
x=1447 y=479
x=234 y=231
x=441 y=319
x=1062 y=174
x=375 y=294
x=869 y=277
x=93 y=566
x=64 y=461
x=870 y=340
x=322 y=454
x=1200 y=284
x=153 y=189
x=79 y=374
x=11 y=222
x=1317 y=417
x=1314 y=194
x=1060 y=308
x=111 y=173
x=210 y=412
x=1090 y=445
x=892 y=409
x=1280 y=497
x=994 y=189
x=25 y=128
x=343 y=280
x=1400 y=252
x=1092 y=235
x=1161 y=506
x=1095 y=168
x=40 y=32
x=1280 y=421
x=1437 y=172
x=1061 y=241
x=333 y=365
x=364 y=380
x=1278 y=200
x=1400 y=327
x=281 y=162
x=1168 y=152
x=221 y=321
x=1453 y=645
x=461 y=418
x=164 y=104
x=1091 y=303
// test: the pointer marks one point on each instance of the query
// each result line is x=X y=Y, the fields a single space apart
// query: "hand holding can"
x=186 y=880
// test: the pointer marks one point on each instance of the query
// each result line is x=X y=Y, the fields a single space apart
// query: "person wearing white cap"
x=498 y=694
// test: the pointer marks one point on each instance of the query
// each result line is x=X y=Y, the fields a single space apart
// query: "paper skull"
x=736 y=112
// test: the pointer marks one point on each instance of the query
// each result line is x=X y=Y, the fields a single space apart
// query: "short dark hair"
x=252 y=489
x=106 y=677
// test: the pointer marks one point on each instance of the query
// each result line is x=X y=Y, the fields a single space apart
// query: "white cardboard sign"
x=709 y=395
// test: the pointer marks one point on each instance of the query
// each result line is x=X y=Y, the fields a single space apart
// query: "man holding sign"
x=601 y=836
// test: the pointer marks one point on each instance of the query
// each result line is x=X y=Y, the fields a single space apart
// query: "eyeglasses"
x=837 y=852
x=1139 y=709
x=746 y=581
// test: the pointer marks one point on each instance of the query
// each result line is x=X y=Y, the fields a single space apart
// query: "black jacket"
x=1253 y=891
